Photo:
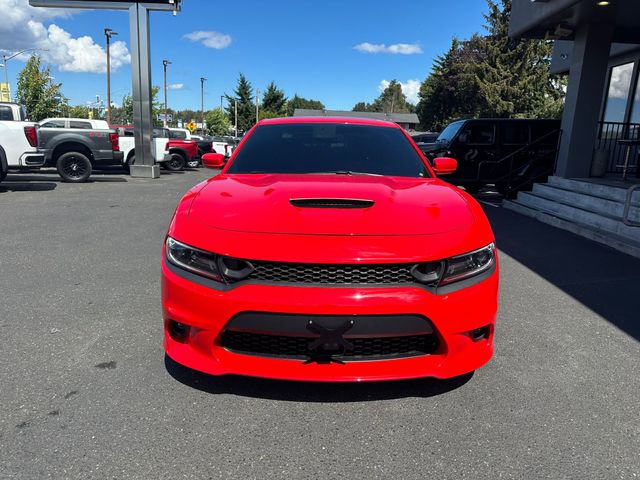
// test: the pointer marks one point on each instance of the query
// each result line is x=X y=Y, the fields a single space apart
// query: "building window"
x=618 y=94
x=635 y=108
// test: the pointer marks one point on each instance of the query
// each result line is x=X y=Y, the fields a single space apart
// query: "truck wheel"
x=176 y=163
x=73 y=167
x=131 y=161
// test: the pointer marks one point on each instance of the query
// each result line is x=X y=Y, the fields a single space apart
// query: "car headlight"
x=193 y=259
x=468 y=265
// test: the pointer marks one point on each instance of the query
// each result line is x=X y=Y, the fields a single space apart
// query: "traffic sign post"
x=145 y=165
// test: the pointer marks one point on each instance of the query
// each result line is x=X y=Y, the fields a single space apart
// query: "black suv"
x=509 y=153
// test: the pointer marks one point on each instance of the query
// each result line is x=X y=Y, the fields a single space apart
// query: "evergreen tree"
x=391 y=100
x=243 y=93
x=274 y=102
x=361 y=107
x=37 y=92
x=491 y=76
x=300 y=102
x=513 y=80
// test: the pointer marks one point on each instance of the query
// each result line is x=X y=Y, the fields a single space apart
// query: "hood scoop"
x=331 y=203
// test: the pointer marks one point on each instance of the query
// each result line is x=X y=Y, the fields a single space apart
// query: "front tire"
x=176 y=163
x=74 y=167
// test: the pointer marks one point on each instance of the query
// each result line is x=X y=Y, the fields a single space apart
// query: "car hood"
x=296 y=204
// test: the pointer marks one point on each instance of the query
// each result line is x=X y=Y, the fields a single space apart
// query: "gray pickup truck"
x=76 y=146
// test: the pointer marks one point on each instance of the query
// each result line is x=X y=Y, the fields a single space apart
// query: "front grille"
x=331 y=274
x=298 y=347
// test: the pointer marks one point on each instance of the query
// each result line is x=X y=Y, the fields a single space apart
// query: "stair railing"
x=511 y=156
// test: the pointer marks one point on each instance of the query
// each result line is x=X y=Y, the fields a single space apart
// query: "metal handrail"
x=627 y=207
x=512 y=154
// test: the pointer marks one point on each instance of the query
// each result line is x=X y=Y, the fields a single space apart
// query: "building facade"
x=598 y=45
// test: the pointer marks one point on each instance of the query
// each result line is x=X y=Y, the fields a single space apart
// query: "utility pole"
x=108 y=33
x=164 y=66
x=235 y=109
x=257 y=108
x=202 y=80
x=221 y=97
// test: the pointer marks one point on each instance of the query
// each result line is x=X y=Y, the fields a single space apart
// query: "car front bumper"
x=207 y=312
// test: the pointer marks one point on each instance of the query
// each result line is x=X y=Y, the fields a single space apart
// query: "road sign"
x=169 y=117
x=191 y=126
x=5 y=90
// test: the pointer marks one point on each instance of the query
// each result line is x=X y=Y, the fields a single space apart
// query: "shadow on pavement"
x=38 y=186
x=601 y=278
x=311 y=391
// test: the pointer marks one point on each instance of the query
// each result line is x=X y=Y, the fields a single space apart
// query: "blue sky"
x=305 y=47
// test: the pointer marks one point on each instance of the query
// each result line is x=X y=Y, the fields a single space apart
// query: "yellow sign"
x=191 y=126
x=5 y=90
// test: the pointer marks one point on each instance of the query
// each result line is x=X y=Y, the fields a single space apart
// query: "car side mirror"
x=444 y=165
x=213 y=160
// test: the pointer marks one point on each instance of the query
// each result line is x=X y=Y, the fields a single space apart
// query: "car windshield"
x=328 y=148
x=448 y=133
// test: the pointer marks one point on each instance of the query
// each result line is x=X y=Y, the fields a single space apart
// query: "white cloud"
x=175 y=86
x=24 y=26
x=410 y=88
x=620 y=81
x=396 y=48
x=210 y=39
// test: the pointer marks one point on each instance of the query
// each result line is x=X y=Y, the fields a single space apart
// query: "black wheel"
x=176 y=163
x=74 y=167
x=130 y=161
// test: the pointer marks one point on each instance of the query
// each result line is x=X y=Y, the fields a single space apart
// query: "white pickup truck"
x=159 y=146
x=18 y=140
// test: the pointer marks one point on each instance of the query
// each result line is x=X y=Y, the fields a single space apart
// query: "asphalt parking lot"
x=86 y=391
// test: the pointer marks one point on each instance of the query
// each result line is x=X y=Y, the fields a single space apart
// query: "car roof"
x=344 y=120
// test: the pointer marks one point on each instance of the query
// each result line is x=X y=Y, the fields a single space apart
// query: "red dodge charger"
x=328 y=250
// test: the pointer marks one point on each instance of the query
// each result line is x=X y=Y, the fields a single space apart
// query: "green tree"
x=217 y=122
x=449 y=93
x=513 y=79
x=243 y=93
x=79 y=111
x=361 y=107
x=491 y=76
x=391 y=100
x=37 y=92
x=274 y=102
x=124 y=114
x=300 y=102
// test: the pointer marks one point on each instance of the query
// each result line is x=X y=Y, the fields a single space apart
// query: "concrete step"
x=605 y=223
x=599 y=205
x=614 y=241
x=608 y=192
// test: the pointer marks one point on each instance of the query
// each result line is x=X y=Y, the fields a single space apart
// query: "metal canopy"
x=159 y=5
x=145 y=165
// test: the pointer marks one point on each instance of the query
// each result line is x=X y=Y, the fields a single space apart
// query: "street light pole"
x=108 y=33
x=6 y=59
x=202 y=80
x=235 y=109
x=164 y=65
x=257 y=108
x=221 y=97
